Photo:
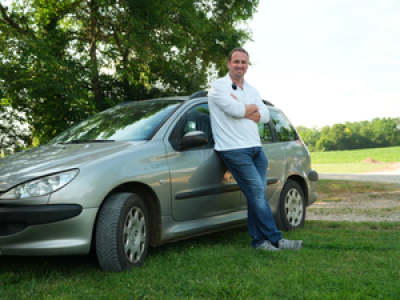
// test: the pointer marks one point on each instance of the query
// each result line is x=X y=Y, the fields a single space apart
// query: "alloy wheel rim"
x=134 y=235
x=294 y=208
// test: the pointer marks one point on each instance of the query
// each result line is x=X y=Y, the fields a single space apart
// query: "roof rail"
x=199 y=94
x=268 y=103
x=123 y=103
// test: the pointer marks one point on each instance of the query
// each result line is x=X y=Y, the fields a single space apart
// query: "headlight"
x=40 y=187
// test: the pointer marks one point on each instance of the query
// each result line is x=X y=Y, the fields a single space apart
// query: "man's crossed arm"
x=252 y=112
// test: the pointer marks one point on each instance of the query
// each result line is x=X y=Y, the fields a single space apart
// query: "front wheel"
x=122 y=236
x=291 y=211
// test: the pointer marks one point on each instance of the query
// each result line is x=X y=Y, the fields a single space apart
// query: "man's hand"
x=234 y=97
x=250 y=108
x=255 y=116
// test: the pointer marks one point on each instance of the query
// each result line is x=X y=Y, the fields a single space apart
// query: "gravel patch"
x=357 y=206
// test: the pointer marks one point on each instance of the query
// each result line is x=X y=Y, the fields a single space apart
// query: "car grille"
x=11 y=228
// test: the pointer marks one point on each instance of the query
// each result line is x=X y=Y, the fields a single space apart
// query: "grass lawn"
x=391 y=154
x=351 y=161
x=340 y=260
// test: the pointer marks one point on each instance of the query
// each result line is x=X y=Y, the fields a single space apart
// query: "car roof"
x=205 y=94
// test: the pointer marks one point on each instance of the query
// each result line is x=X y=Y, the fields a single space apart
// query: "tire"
x=122 y=232
x=291 y=211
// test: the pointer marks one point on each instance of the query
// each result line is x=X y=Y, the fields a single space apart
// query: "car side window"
x=284 y=128
x=265 y=133
x=196 y=119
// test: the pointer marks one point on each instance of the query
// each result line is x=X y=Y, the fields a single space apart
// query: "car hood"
x=40 y=161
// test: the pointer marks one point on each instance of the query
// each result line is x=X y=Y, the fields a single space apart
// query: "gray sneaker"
x=267 y=246
x=288 y=244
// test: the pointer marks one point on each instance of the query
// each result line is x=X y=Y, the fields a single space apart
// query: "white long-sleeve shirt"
x=231 y=130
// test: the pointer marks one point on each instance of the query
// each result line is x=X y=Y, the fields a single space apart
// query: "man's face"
x=238 y=65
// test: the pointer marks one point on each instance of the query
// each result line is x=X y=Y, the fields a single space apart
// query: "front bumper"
x=14 y=219
x=38 y=214
x=46 y=229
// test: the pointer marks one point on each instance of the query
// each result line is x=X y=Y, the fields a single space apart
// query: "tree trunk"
x=94 y=69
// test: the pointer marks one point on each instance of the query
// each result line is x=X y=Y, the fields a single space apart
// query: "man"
x=235 y=109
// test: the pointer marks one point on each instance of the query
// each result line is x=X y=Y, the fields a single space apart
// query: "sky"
x=327 y=62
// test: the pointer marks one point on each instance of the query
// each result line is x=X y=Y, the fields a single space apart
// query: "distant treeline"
x=353 y=135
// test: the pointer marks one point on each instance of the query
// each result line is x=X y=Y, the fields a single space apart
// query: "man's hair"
x=237 y=50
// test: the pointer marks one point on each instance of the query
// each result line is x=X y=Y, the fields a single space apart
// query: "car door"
x=201 y=184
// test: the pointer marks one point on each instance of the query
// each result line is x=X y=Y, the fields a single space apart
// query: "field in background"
x=391 y=154
x=355 y=161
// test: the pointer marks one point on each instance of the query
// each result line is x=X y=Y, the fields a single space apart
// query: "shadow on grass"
x=47 y=264
x=230 y=237
x=66 y=265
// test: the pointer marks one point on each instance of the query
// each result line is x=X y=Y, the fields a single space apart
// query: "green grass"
x=391 y=154
x=351 y=161
x=340 y=260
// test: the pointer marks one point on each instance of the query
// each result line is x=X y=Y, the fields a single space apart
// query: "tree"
x=353 y=135
x=40 y=76
x=310 y=136
x=65 y=60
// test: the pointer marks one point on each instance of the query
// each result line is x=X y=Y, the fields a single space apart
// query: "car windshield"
x=125 y=122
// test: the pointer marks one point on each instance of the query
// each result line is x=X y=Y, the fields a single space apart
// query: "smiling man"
x=235 y=109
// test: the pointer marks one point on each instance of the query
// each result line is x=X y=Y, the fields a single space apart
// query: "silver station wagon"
x=141 y=174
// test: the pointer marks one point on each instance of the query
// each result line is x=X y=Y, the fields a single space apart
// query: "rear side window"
x=265 y=133
x=284 y=129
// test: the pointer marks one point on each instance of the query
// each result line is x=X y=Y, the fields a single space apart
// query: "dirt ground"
x=369 y=206
x=356 y=210
x=393 y=167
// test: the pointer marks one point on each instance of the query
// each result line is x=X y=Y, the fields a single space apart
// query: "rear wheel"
x=291 y=211
x=122 y=236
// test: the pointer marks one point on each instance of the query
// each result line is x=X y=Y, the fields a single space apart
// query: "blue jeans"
x=249 y=167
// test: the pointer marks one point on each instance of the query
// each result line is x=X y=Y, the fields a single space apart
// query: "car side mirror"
x=193 y=139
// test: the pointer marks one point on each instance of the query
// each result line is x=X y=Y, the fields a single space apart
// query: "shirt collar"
x=230 y=79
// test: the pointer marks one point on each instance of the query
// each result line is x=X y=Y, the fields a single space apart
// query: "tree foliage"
x=62 y=61
x=13 y=136
x=353 y=135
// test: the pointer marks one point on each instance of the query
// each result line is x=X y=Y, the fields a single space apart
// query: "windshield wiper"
x=87 y=141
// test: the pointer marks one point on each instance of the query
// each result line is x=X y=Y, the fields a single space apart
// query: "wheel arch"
x=302 y=183
x=151 y=201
